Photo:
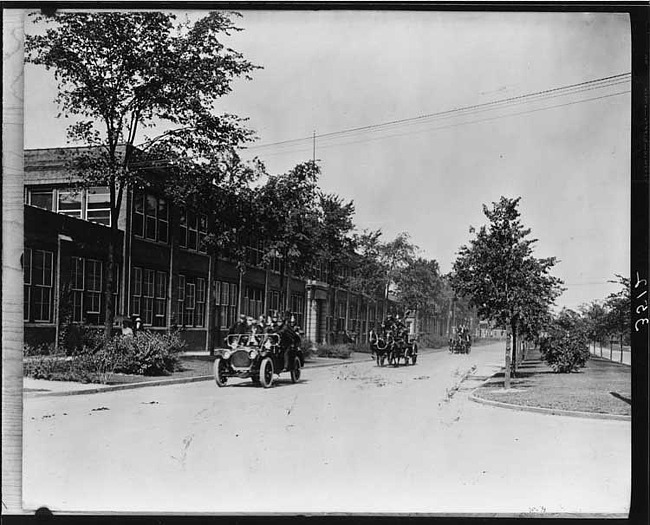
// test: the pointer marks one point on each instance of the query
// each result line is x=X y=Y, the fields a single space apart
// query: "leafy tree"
x=499 y=274
x=396 y=255
x=419 y=285
x=594 y=316
x=564 y=346
x=121 y=72
x=289 y=205
x=370 y=272
x=333 y=236
x=619 y=306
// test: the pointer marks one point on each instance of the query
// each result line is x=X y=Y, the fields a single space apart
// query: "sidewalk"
x=197 y=366
x=602 y=389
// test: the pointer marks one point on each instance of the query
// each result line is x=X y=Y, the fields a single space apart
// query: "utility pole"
x=313 y=150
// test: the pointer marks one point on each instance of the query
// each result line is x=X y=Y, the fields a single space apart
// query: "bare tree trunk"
x=514 y=348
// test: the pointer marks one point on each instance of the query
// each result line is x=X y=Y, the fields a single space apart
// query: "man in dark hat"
x=288 y=338
x=240 y=327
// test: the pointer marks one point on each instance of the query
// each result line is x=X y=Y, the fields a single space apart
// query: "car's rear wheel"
x=295 y=373
x=219 y=368
x=266 y=372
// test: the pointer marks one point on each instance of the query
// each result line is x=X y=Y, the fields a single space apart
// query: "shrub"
x=147 y=353
x=78 y=338
x=307 y=346
x=433 y=341
x=564 y=351
x=143 y=354
x=362 y=348
x=339 y=351
x=84 y=368
x=39 y=349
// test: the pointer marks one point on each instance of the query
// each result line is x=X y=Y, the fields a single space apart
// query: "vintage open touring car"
x=259 y=357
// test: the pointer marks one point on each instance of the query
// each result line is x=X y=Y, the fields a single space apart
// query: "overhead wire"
x=453 y=125
x=378 y=131
x=572 y=89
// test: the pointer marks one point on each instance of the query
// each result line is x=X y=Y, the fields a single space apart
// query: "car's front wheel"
x=219 y=368
x=295 y=373
x=266 y=372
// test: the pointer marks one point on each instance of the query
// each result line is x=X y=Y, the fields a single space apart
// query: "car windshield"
x=251 y=339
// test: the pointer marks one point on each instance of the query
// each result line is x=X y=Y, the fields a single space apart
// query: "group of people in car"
x=251 y=330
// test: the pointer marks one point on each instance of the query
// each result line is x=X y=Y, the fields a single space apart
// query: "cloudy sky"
x=535 y=105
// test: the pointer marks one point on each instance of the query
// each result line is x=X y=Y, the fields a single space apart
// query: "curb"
x=594 y=356
x=547 y=411
x=126 y=386
x=161 y=382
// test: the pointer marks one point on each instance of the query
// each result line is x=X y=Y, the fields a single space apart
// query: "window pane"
x=200 y=290
x=41 y=198
x=161 y=285
x=137 y=281
x=47 y=268
x=191 y=240
x=182 y=237
x=191 y=220
x=99 y=216
x=151 y=204
x=181 y=287
x=163 y=231
x=77 y=307
x=37 y=267
x=93 y=302
x=217 y=292
x=150 y=222
x=77 y=273
x=98 y=198
x=147 y=316
x=190 y=297
x=138 y=214
x=42 y=297
x=199 y=315
x=162 y=209
x=70 y=203
x=150 y=225
x=138 y=225
x=93 y=276
x=135 y=306
x=149 y=276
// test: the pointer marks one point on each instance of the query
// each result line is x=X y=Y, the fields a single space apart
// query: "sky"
x=566 y=153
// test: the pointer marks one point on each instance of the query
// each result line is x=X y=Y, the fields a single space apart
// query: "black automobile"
x=259 y=357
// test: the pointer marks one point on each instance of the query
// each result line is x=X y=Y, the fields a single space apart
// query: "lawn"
x=600 y=387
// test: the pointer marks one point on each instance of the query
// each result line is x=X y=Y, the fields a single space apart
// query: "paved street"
x=350 y=438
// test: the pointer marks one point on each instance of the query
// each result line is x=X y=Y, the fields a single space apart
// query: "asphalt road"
x=350 y=438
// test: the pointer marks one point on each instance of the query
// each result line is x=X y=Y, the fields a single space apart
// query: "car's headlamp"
x=226 y=354
x=252 y=354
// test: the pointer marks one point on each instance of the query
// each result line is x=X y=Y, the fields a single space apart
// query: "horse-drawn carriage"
x=392 y=346
x=461 y=342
